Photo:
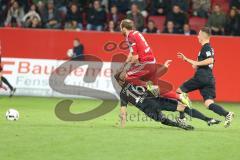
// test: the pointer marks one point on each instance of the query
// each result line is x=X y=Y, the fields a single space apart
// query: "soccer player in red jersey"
x=141 y=58
x=142 y=63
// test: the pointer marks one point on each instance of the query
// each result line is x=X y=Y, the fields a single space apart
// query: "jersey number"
x=136 y=93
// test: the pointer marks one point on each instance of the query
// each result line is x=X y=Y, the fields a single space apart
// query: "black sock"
x=4 y=80
x=160 y=117
x=196 y=114
x=218 y=109
x=169 y=122
x=181 y=115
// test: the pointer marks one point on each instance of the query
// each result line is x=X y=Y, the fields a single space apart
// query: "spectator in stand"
x=136 y=16
x=111 y=27
x=151 y=28
x=235 y=3
x=1 y=18
x=37 y=1
x=34 y=23
x=142 y=6
x=201 y=8
x=61 y=6
x=217 y=20
x=183 y=4
x=74 y=18
x=96 y=17
x=233 y=23
x=32 y=14
x=41 y=8
x=105 y=5
x=15 y=15
x=122 y=5
x=159 y=7
x=178 y=17
x=188 y=31
x=115 y=16
x=51 y=16
x=3 y=7
x=82 y=4
x=25 y=4
x=170 y=28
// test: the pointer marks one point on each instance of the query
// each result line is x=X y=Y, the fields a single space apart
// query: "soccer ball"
x=70 y=53
x=12 y=115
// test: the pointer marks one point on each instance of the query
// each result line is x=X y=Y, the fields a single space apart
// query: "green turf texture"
x=40 y=135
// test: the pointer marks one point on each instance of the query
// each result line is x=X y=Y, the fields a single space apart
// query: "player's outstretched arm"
x=129 y=58
x=123 y=116
x=205 y=62
x=167 y=63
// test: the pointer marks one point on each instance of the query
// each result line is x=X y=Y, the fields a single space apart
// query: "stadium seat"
x=197 y=23
x=159 y=20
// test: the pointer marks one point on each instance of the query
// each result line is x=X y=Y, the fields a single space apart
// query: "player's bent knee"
x=208 y=102
x=180 y=107
x=179 y=90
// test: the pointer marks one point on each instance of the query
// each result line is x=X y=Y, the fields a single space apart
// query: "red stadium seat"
x=159 y=20
x=197 y=23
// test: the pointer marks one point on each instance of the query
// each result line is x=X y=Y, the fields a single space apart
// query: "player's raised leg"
x=196 y=114
x=211 y=105
x=173 y=105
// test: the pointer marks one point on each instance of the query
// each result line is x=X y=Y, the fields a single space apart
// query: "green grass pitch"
x=40 y=135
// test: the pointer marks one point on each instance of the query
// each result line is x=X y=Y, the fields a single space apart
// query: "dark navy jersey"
x=134 y=95
x=145 y=101
x=205 y=53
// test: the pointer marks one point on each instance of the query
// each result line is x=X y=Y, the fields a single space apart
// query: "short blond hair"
x=128 y=24
x=206 y=30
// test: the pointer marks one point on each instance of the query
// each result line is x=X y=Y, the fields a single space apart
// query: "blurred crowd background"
x=150 y=16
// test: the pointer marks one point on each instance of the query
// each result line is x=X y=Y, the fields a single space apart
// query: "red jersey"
x=138 y=45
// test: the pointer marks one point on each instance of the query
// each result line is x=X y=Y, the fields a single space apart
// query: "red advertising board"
x=45 y=44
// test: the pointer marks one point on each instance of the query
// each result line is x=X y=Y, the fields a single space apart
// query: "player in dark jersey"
x=146 y=102
x=5 y=81
x=204 y=80
x=152 y=106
